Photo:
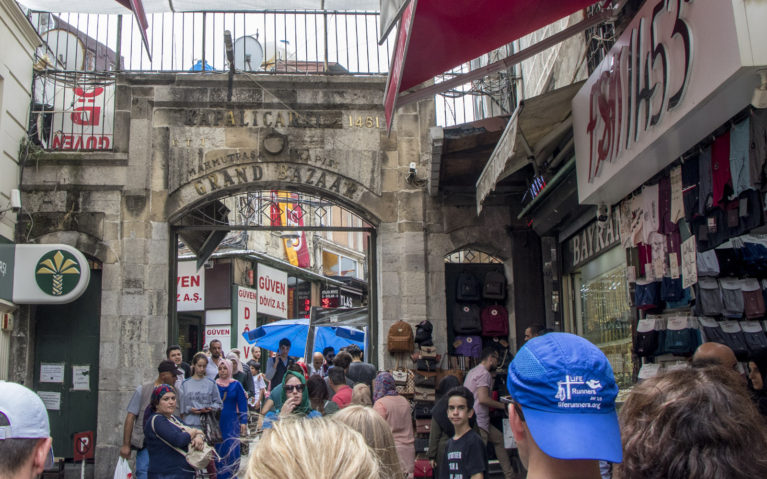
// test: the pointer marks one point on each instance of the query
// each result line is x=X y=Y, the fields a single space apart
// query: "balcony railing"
x=272 y=41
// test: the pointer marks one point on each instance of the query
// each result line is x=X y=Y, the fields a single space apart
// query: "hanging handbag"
x=426 y=364
x=211 y=428
x=199 y=460
x=428 y=352
x=424 y=394
x=423 y=426
x=423 y=468
x=422 y=410
x=406 y=387
x=425 y=380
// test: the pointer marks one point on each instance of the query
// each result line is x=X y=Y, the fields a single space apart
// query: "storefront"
x=666 y=140
x=597 y=304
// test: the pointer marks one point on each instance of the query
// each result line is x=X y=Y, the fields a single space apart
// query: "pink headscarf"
x=228 y=365
x=233 y=356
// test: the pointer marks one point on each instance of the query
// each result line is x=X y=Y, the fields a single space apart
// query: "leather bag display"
x=400 y=338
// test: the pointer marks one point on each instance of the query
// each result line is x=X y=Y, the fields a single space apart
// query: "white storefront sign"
x=272 y=291
x=190 y=287
x=247 y=306
x=679 y=70
x=83 y=117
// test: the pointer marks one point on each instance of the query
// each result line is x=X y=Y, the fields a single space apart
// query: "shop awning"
x=156 y=6
x=443 y=35
x=534 y=130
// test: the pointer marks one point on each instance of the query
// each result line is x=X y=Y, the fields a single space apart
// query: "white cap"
x=26 y=415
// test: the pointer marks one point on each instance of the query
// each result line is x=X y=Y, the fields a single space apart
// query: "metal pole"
x=119 y=46
x=203 y=42
x=325 y=31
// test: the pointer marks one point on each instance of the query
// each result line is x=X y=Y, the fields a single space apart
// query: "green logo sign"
x=57 y=273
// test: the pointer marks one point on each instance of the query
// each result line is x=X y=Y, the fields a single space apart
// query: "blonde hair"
x=377 y=434
x=295 y=448
x=361 y=395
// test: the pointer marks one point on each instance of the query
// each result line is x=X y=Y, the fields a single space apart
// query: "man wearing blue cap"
x=25 y=436
x=562 y=414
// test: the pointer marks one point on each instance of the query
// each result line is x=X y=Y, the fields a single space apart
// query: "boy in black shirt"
x=465 y=456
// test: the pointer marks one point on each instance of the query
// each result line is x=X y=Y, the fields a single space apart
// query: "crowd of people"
x=702 y=421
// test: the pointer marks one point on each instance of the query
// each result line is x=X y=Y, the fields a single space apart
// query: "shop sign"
x=672 y=76
x=190 y=287
x=272 y=291
x=334 y=298
x=42 y=274
x=220 y=332
x=246 y=307
x=591 y=241
x=84 y=118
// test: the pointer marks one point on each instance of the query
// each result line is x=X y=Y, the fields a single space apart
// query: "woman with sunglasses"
x=295 y=400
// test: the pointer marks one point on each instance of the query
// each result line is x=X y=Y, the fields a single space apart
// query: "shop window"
x=603 y=311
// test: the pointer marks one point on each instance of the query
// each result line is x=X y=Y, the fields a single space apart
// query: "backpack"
x=400 y=338
x=468 y=288
x=495 y=321
x=466 y=319
x=495 y=285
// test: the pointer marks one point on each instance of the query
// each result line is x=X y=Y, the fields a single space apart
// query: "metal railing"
x=270 y=41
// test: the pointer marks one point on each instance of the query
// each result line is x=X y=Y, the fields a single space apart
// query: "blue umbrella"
x=269 y=335
x=337 y=337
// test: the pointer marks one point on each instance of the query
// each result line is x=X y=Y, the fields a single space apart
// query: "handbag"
x=425 y=381
x=426 y=364
x=422 y=410
x=423 y=426
x=442 y=373
x=400 y=376
x=423 y=468
x=421 y=444
x=424 y=394
x=211 y=428
x=428 y=352
x=407 y=387
x=197 y=459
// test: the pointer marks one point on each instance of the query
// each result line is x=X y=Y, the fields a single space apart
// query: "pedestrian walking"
x=233 y=422
x=395 y=410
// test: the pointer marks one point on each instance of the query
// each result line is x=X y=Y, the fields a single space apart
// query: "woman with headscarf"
x=441 y=429
x=165 y=436
x=295 y=400
x=757 y=372
x=395 y=409
x=233 y=422
x=240 y=375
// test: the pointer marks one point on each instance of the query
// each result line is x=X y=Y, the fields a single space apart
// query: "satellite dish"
x=248 y=54
x=67 y=50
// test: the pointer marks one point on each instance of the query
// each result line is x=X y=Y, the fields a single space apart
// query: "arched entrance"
x=252 y=257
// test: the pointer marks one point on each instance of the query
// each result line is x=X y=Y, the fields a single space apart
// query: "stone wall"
x=179 y=143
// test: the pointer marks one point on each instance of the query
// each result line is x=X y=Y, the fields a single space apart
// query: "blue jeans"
x=142 y=464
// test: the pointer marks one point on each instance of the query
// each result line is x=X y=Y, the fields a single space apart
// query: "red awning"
x=137 y=8
x=446 y=34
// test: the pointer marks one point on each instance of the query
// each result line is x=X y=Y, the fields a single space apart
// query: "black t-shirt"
x=463 y=457
x=360 y=372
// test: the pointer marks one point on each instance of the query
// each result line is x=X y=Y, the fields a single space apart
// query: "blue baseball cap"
x=567 y=391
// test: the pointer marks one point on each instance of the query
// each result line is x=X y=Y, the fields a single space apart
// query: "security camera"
x=15 y=201
x=603 y=213
x=412 y=168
